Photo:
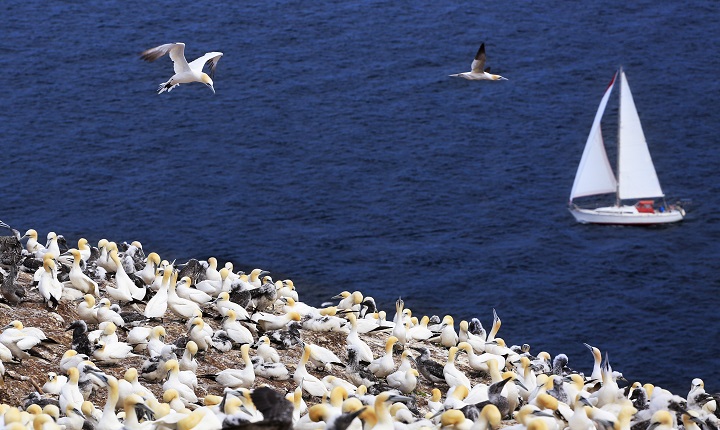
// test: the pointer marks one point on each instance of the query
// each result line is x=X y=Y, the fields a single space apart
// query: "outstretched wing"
x=177 y=55
x=478 y=63
x=211 y=59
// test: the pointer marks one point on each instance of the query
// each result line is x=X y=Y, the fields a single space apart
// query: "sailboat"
x=636 y=181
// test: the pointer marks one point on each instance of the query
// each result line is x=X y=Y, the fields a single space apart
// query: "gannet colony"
x=114 y=337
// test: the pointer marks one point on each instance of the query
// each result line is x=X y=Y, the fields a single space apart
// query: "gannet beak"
x=211 y=87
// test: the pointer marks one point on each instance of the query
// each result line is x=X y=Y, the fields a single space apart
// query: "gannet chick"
x=264 y=296
x=80 y=339
x=384 y=365
x=429 y=368
x=478 y=70
x=184 y=72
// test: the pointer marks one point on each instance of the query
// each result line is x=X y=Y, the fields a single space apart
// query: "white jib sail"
x=636 y=172
x=594 y=174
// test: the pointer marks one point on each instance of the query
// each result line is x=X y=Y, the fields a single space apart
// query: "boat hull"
x=625 y=215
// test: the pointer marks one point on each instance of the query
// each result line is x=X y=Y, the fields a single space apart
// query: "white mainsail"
x=594 y=174
x=636 y=174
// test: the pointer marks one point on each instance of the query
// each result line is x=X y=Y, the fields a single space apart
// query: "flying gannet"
x=184 y=72
x=478 y=71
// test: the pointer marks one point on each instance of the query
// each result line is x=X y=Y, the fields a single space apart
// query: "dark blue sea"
x=338 y=152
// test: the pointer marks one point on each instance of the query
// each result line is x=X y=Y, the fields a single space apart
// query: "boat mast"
x=617 y=165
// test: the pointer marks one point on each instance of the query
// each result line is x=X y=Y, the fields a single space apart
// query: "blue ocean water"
x=338 y=152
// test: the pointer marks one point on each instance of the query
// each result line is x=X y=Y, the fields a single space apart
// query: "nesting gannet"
x=479 y=362
x=50 y=288
x=478 y=72
x=266 y=351
x=183 y=308
x=454 y=376
x=185 y=290
x=404 y=381
x=448 y=337
x=112 y=352
x=197 y=333
x=105 y=313
x=158 y=304
x=80 y=280
x=188 y=361
x=236 y=331
x=384 y=365
x=464 y=335
x=309 y=383
x=21 y=342
x=70 y=392
x=187 y=393
x=268 y=322
x=420 y=331
x=123 y=280
x=54 y=383
x=323 y=358
x=184 y=72
x=236 y=378
x=364 y=352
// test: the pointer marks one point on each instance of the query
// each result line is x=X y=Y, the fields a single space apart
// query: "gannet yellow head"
x=205 y=79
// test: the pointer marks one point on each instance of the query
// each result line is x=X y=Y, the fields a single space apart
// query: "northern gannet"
x=454 y=376
x=384 y=365
x=50 y=288
x=266 y=351
x=237 y=332
x=364 y=352
x=158 y=304
x=478 y=72
x=309 y=383
x=54 y=383
x=236 y=378
x=80 y=280
x=184 y=72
